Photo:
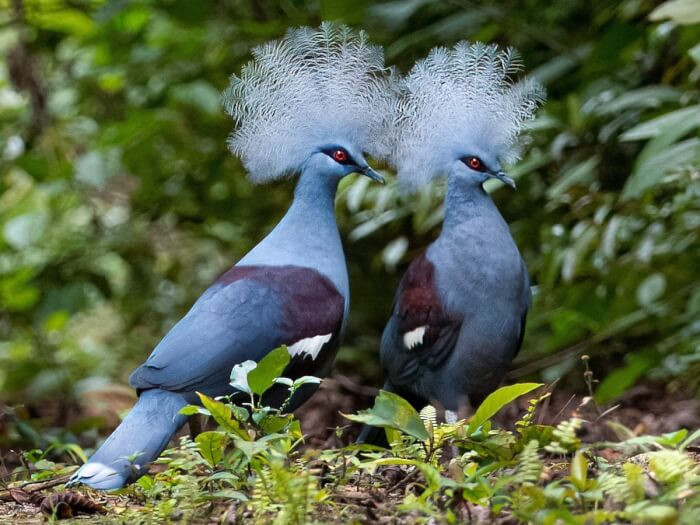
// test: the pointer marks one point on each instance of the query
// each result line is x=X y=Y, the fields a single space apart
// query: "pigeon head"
x=317 y=99
x=478 y=165
x=337 y=160
x=459 y=113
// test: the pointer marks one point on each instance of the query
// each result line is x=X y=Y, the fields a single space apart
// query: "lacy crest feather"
x=311 y=87
x=455 y=97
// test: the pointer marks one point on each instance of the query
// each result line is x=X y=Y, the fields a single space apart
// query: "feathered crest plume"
x=308 y=88
x=458 y=97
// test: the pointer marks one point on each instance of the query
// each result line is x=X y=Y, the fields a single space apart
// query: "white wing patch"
x=309 y=346
x=414 y=337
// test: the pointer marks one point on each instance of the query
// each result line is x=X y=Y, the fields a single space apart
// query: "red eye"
x=340 y=155
x=475 y=163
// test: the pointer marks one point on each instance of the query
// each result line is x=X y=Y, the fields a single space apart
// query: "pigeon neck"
x=307 y=235
x=475 y=250
x=314 y=195
x=465 y=200
x=308 y=231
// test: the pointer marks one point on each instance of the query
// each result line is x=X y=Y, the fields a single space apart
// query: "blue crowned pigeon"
x=459 y=313
x=310 y=104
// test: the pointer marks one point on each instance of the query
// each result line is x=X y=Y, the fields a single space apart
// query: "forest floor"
x=643 y=410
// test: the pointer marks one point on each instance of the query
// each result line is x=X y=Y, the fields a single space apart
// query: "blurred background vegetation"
x=120 y=203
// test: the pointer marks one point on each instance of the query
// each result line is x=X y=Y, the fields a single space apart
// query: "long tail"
x=373 y=436
x=140 y=439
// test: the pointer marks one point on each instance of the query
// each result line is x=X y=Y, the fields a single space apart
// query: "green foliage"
x=257 y=439
x=394 y=412
x=497 y=400
x=564 y=436
x=268 y=369
x=253 y=472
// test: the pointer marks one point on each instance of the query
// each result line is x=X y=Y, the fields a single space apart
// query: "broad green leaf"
x=655 y=161
x=681 y=120
x=561 y=64
x=239 y=376
x=25 y=230
x=396 y=12
x=251 y=448
x=189 y=410
x=272 y=424
x=644 y=97
x=651 y=289
x=17 y=291
x=661 y=154
x=211 y=445
x=267 y=370
x=660 y=514
x=672 y=439
x=690 y=440
x=146 y=482
x=227 y=494
x=306 y=380
x=392 y=411
x=579 y=470
x=579 y=173
x=682 y=12
x=618 y=381
x=445 y=28
x=200 y=94
x=497 y=400
x=221 y=413
x=393 y=436
x=71 y=21
x=95 y=168
x=72 y=449
x=240 y=413
x=261 y=414
x=694 y=53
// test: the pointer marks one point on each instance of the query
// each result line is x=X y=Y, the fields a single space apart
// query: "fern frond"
x=564 y=436
x=669 y=466
x=529 y=466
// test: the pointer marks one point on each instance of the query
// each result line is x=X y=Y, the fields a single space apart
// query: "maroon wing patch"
x=418 y=302
x=424 y=327
x=312 y=314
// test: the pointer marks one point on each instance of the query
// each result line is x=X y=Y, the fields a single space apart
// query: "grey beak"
x=369 y=172
x=504 y=178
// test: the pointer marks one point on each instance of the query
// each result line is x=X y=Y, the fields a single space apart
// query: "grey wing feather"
x=227 y=325
x=527 y=303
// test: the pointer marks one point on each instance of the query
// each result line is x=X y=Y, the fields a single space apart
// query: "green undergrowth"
x=254 y=467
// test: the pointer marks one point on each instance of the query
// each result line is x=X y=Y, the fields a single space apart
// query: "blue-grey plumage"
x=460 y=310
x=459 y=314
x=138 y=440
x=292 y=288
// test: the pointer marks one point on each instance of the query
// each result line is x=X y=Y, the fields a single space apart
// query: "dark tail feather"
x=372 y=436
x=139 y=440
